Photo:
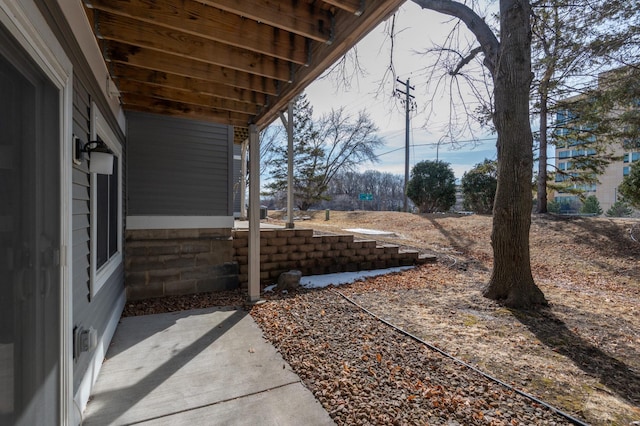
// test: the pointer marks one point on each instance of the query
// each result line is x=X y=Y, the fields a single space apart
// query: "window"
x=635 y=156
x=625 y=171
x=565 y=116
x=587 y=187
x=107 y=216
x=626 y=158
x=106 y=208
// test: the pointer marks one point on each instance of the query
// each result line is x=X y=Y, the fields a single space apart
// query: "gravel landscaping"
x=365 y=372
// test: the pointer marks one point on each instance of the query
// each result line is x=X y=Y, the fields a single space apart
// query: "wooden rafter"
x=163 y=106
x=156 y=60
x=210 y=23
x=173 y=81
x=154 y=37
x=352 y=6
x=210 y=101
x=306 y=20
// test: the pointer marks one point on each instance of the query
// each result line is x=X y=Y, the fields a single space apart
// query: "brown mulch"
x=581 y=354
x=235 y=298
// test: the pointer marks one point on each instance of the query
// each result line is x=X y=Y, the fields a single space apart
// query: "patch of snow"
x=319 y=281
x=370 y=231
x=325 y=280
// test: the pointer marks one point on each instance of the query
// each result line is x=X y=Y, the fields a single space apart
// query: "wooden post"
x=254 y=214
x=243 y=180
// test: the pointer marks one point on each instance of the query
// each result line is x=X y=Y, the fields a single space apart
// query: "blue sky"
x=422 y=147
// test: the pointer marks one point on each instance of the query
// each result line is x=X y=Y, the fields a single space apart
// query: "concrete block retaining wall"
x=168 y=262
x=284 y=249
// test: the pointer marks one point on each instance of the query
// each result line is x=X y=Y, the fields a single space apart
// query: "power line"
x=439 y=143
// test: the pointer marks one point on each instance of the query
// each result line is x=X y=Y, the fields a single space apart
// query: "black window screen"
x=107 y=216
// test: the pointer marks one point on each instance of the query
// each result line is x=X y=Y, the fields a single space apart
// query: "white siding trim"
x=178 y=222
x=100 y=127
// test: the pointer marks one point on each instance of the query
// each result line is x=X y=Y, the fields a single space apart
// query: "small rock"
x=289 y=280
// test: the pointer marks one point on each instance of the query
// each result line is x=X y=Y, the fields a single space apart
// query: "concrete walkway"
x=200 y=367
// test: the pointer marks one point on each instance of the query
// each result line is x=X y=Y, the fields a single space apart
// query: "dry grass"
x=582 y=353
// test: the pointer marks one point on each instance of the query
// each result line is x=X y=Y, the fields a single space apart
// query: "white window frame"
x=99 y=276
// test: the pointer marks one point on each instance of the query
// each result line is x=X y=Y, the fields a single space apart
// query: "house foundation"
x=167 y=262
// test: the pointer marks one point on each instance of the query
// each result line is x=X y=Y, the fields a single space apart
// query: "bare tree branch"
x=466 y=60
x=488 y=41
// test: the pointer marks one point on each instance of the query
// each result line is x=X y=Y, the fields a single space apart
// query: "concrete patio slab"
x=199 y=367
x=244 y=224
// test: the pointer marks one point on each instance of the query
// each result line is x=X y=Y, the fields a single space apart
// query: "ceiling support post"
x=243 y=180
x=254 y=214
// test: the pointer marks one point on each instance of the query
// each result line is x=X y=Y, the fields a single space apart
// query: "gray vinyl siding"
x=178 y=167
x=81 y=206
x=87 y=312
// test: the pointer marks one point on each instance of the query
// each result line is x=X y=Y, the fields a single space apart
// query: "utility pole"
x=407 y=108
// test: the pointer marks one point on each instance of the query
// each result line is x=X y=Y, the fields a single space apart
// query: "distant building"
x=575 y=149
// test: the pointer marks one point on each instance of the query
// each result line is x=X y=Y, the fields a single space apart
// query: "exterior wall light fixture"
x=101 y=157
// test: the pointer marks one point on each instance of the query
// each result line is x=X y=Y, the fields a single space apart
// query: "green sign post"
x=365 y=197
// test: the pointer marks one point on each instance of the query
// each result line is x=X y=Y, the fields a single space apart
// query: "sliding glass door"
x=29 y=241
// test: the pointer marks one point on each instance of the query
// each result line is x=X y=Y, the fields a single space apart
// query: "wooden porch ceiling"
x=235 y=62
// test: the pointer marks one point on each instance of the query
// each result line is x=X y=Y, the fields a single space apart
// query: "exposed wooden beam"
x=154 y=37
x=295 y=16
x=159 y=61
x=123 y=72
x=237 y=62
x=352 y=6
x=186 y=97
x=164 y=107
x=211 y=23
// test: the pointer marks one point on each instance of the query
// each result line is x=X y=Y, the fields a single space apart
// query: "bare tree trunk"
x=511 y=280
x=542 y=160
x=509 y=62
